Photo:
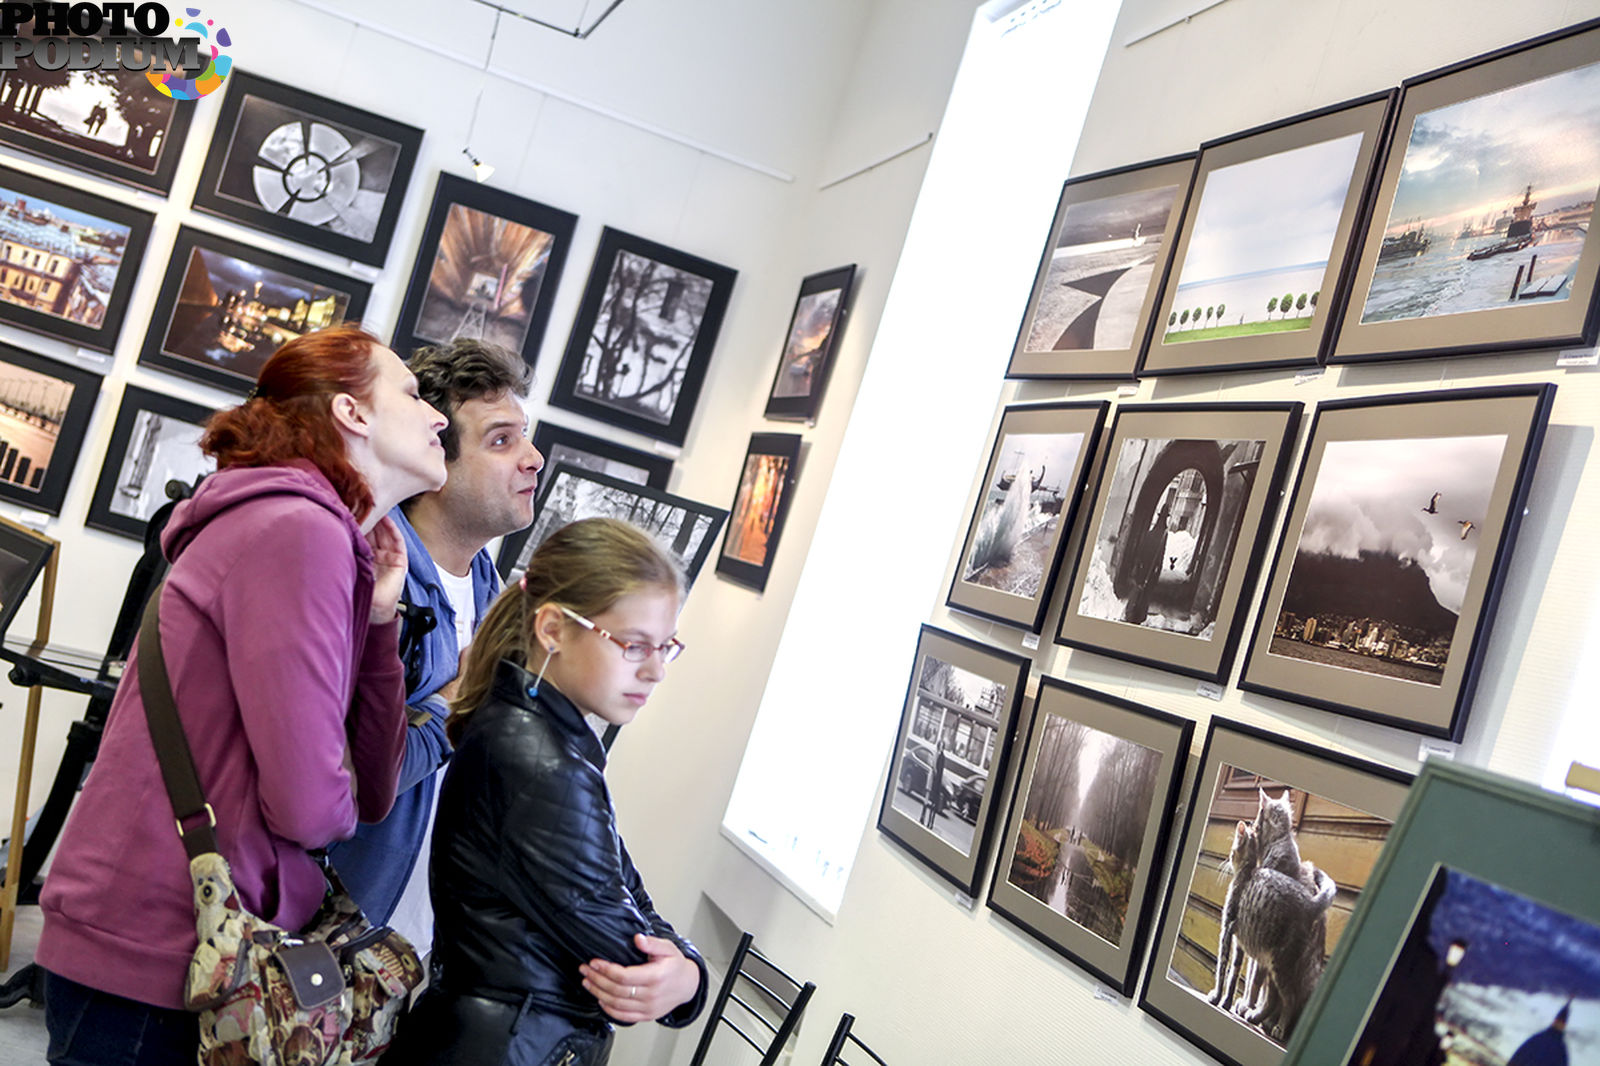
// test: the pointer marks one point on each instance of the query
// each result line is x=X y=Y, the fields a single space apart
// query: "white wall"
x=929 y=980
x=707 y=125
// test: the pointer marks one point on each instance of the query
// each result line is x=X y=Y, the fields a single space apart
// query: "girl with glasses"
x=543 y=932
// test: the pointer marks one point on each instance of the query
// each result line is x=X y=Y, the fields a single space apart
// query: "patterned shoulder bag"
x=334 y=993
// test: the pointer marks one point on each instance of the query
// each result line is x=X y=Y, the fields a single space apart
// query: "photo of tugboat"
x=1494 y=202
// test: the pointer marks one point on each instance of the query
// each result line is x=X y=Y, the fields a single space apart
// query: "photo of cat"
x=1279 y=871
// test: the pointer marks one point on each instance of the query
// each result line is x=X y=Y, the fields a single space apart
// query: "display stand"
x=30 y=735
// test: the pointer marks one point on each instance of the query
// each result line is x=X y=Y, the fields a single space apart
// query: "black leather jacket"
x=529 y=877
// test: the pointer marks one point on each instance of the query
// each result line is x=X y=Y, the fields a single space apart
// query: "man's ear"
x=348 y=415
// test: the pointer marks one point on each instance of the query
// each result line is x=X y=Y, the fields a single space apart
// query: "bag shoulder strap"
x=166 y=733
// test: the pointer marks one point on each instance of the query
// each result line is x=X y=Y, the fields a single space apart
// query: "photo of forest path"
x=1083 y=824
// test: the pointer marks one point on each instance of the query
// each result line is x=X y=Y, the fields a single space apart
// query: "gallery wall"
x=929 y=977
x=708 y=126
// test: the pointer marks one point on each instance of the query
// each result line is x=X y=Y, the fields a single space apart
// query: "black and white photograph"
x=643 y=337
x=809 y=347
x=156 y=439
x=112 y=122
x=23 y=555
x=44 y=413
x=685 y=528
x=1385 y=553
x=71 y=258
x=1486 y=977
x=1094 y=292
x=1079 y=863
x=1478 y=239
x=951 y=753
x=308 y=168
x=582 y=451
x=1390 y=563
x=1494 y=202
x=488 y=269
x=1280 y=842
x=1025 y=506
x=943 y=768
x=1266 y=237
x=224 y=307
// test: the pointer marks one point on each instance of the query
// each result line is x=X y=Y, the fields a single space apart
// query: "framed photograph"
x=808 y=347
x=71 y=259
x=1479 y=235
x=1379 y=602
x=568 y=493
x=488 y=269
x=1265 y=249
x=954 y=744
x=1079 y=864
x=1280 y=842
x=1025 y=506
x=44 y=414
x=1101 y=274
x=1478 y=940
x=559 y=445
x=1179 y=525
x=111 y=122
x=760 y=505
x=307 y=168
x=23 y=555
x=156 y=439
x=644 y=335
x=225 y=307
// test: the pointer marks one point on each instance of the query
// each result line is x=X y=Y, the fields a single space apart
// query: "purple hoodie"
x=273 y=664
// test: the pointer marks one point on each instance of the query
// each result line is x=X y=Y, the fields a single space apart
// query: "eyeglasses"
x=632 y=650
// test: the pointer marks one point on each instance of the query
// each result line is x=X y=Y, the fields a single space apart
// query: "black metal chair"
x=768 y=1017
x=842 y=1036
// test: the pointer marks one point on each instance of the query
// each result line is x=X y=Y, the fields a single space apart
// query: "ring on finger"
x=633 y=991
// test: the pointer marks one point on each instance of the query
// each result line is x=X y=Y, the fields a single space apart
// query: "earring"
x=533 y=689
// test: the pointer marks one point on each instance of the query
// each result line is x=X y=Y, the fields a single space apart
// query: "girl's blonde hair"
x=587 y=567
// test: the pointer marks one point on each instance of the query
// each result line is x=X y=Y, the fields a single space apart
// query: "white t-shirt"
x=458 y=590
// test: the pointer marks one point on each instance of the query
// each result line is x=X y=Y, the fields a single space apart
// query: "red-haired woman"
x=279 y=632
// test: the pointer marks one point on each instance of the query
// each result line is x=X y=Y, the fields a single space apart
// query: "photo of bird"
x=1433 y=504
x=1466 y=525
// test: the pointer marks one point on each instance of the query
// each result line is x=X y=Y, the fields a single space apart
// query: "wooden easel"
x=30 y=736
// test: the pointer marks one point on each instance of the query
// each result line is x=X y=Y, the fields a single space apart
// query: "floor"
x=22 y=1035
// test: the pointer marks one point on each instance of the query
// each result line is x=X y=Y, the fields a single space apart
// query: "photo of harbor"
x=1385 y=554
x=1261 y=241
x=1494 y=201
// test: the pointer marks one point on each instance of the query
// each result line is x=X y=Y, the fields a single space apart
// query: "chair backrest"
x=845 y=1041
x=758 y=1001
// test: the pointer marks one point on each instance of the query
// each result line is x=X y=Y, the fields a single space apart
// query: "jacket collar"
x=512 y=684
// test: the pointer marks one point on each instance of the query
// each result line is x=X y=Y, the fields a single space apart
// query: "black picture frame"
x=1340 y=810
x=1191 y=618
x=155 y=439
x=978 y=724
x=806 y=362
x=760 y=507
x=1535 y=848
x=1439 y=276
x=1102 y=271
x=341 y=194
x=222 y=336
x=484 y=251
x=47 y=393
x=1311 y=175
x=558 y=445
x=23 y=556
x=568 y=493
x=149 y=127
x=694 y=294
x=89 y=248
x=1153 y=746
x=1450 y=487
x=1011 y=554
